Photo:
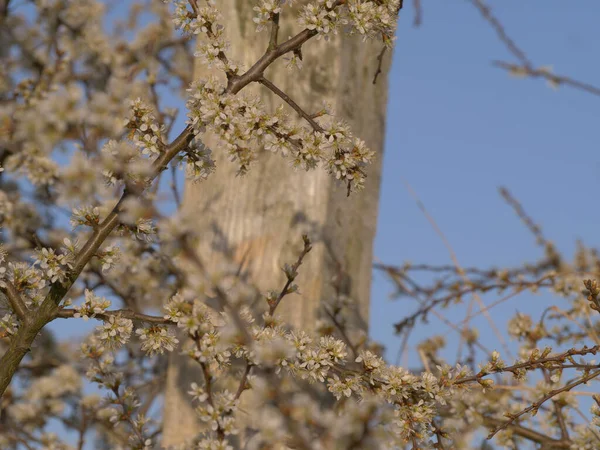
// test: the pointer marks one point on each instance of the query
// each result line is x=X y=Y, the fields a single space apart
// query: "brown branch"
x=558 y=409
x=526 y=66
x=176 y=195
x=16 y=302
x=379 y=64
x=274 y=31
x=555 y=80
x=208 y=384
x=529 y=434
x=418 y=13
x=486 y=12
x=237 y=83
x=535 y=406
x=291 y=276
x=409 y=321
x=125 y=313
x=243 y=382
x=533 y=363
x=342 y=331
x=520 y=211
x=286 y=98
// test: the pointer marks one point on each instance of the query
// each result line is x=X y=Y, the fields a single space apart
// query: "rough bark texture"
x=262 y=216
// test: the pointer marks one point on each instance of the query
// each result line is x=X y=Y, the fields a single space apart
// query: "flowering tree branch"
x=239 y=342
x=20 y=344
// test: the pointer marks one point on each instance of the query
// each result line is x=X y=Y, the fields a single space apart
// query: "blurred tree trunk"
x=262 y=216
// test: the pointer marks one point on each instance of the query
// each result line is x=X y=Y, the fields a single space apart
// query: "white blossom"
x=156 y=339
x=115 y=332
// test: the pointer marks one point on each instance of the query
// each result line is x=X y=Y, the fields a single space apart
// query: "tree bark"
x=261 y=217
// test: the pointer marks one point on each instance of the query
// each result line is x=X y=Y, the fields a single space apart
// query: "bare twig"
x=486 y=12
x=379 y=64
x=554 y=80
x=286 y=98
x=459 y=270
x=291 y=274
x=535 y=406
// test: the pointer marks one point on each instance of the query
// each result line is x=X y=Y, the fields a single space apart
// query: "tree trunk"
x=262 y=216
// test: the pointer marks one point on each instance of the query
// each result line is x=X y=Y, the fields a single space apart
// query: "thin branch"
x=286 y=98
x=533 y=363
x=125 y=313
x=526 y=67
x=554 y=80
x=379 y=64
x=521 y=214
x=535 y=406
x=459 y=271
x=291 y=274
x=274 y=30
x=255 y=72
x=523 y=286
x=16 y=302
x=486 y=12
x=174 y=189
x=342 y=331
x=508 y=387
x=243 y=382
x=529 y=434
x=418 y=19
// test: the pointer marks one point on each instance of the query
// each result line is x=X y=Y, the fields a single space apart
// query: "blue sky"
x=458 y=128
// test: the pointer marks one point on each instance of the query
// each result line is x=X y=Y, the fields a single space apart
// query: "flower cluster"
x=92 y=305
x=370 y=18
x=108 y=257
x=115 y=332
x=204 y=21
x=47 y=395
x=266 y=10
x=121 y=161
x=54 y=267
x=85 y=215
x=321 y=17
x=198 y=160
x=244 y=126
x=147 y=134
x=8 y=325
x=28 y=280
x=157 y=339
x=374 y=18
x=34 y=164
